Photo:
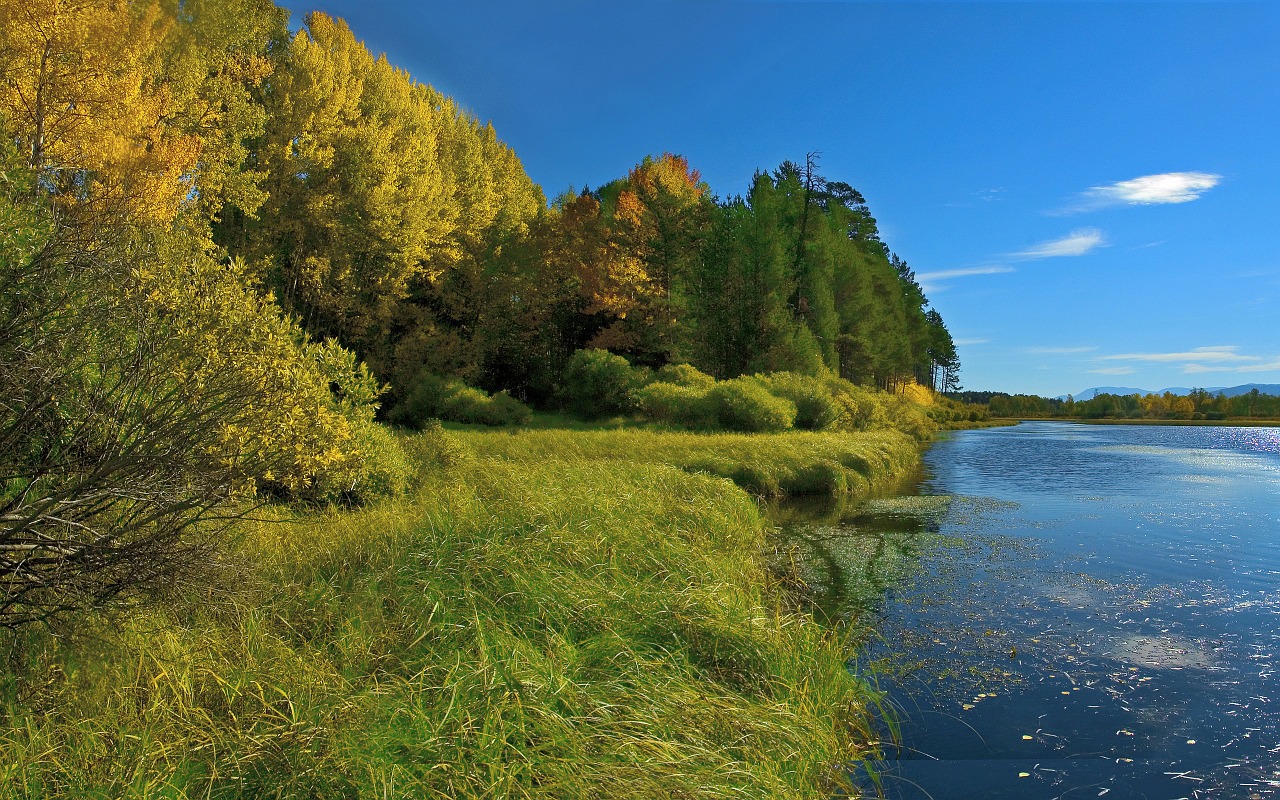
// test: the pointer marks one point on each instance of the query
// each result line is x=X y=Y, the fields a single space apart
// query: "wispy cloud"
x=1219 y=358
x=1059 y=351
x=934 y=281
x=1262 y=365
x=1165 y=188
x=1220 y=354
x=948 y=274
x=1076 y=243
x=1114 y=371
x=984 y=195
x=969 y=342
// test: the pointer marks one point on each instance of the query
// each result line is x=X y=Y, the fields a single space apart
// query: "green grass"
x=795 y=462
x=552 y=614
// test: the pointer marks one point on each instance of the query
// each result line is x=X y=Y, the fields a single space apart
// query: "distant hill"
x=1089 y=394
x=1263 y=388
x=1229 y=391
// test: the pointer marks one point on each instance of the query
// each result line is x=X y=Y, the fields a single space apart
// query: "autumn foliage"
x=247 y=240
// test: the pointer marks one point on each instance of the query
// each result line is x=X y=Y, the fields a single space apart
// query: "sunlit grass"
x=540 y=619
x=767 y=464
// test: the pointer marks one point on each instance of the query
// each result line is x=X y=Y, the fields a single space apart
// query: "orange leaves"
x=611 y=278
x=668 y=173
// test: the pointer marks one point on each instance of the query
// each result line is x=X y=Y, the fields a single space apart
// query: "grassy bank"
x=551 y=614
x=763 y=464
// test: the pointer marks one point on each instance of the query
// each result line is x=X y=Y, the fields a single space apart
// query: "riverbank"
x=550 y=614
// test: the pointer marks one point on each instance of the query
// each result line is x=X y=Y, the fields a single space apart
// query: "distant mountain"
x=1263 y=388
x=1089 y=394
x=1229 y=391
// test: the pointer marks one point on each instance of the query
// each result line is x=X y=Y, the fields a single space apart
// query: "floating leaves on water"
x=974 y=595
x=921 y=507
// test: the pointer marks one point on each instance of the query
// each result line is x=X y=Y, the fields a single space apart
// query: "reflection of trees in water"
x=851 y=556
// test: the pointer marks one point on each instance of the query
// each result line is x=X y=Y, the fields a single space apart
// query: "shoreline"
x=1207 y=423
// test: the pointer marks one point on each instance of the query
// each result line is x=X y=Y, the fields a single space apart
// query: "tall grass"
x=540 y=619
x=796 y=462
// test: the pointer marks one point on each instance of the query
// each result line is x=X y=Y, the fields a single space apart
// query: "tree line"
x=1199 y=404
x=399 y=225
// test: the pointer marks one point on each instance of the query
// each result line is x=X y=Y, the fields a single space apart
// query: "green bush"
x=509 y=410
x=687 y=376
x=908 y=417
x=434 y=397
x=816 y=407
x=421 y=402
x=744 y=404
x=383 y=469
x=598 y=384
x=861 y=409
x=386 y=470
x=675 y=404
x=434 y=448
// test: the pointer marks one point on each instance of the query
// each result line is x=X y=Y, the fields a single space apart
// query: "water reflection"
x=1069 y=611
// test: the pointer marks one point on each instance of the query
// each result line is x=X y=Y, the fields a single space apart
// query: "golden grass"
x=555 y=615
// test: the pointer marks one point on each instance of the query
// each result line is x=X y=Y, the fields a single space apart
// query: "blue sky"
x=1088 y=192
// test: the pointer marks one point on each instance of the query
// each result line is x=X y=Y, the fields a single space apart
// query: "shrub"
x=421 y=402
x=861 y=409
x=508 y=410
x=385 y=468
x=145 y=393
x=908 y=417
x=744 y=404
x=598 y=384
x=816 y=407
x=462 y=403
x=434 y=397
x=687 y=376
x=675 y=404
x=436 y=448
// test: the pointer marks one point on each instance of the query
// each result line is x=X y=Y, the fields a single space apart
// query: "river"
x=1067 y=610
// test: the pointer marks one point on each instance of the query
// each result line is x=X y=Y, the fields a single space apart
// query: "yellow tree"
x=80 y=86
x=137 y=107
x=378 y=188
x=356 y=201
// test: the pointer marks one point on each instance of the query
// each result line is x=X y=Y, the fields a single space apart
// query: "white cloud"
x=1076 y=243
x=1059 y=351
x=966 y=342
x=1170 y=187
x=948 y=274
x=936 y=281
x=1220 y=358
x=1114 y=371
x=1272 y=365
x=1165 y=188
x=1221 y=353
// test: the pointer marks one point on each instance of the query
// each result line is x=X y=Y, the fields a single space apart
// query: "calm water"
x=1070 y=611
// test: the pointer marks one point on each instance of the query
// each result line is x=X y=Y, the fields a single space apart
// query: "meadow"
x=547 y=613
